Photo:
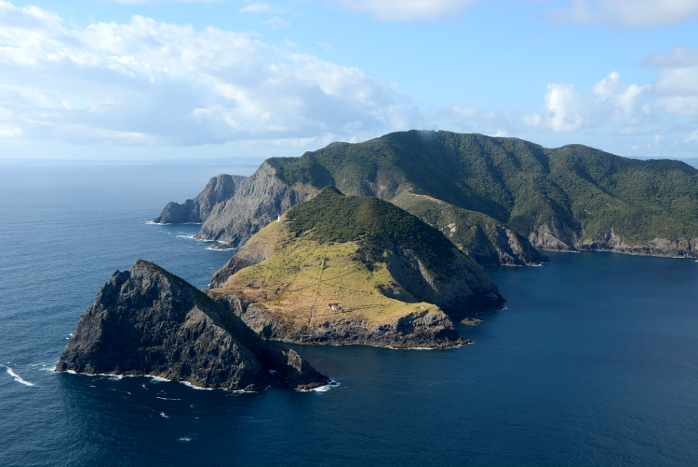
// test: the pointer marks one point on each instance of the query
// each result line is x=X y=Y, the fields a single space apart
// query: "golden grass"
x=304 y=278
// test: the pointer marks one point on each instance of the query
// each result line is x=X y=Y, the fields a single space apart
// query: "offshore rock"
x=146 y=321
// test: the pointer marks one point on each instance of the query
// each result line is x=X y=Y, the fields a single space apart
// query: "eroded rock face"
x=257 y=201
x=218 y=189
x=145 y=321
x=611 y=241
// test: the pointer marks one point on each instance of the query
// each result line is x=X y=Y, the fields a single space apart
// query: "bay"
x=593 y=362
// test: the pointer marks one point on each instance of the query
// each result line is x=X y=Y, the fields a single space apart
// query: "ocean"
x=592 y=363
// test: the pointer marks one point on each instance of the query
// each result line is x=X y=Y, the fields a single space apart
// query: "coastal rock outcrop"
x=146 y=321
x=257 y=201
x=349 y=269
x=195 y=211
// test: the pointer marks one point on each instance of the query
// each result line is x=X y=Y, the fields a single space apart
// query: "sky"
x=141 y=80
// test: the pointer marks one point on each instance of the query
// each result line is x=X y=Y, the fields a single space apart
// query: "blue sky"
x=166 y=79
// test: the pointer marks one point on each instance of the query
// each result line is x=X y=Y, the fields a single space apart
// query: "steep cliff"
x=146 y=321
x=348 y=269
x=257 y=201
x=195 y=211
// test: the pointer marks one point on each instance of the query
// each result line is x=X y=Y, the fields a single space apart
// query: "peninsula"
x=353 y=270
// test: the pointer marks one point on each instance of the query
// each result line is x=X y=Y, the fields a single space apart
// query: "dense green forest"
x=581 y=194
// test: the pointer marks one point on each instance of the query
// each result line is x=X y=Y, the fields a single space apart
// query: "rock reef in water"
x=146 y=321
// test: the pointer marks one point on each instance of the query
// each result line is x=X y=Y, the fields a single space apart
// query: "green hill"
x=380 y=265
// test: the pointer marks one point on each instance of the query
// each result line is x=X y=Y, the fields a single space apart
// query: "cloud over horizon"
x=147 y=83
x=152 y=83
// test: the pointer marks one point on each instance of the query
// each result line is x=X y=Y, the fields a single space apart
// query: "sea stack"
x=146 y=321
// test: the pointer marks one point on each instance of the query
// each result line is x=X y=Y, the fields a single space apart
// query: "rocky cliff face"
x=145 y=321
x=195 y=211
x=256 y=202
x=232 y=208
x=465 y=287
x=611 y=241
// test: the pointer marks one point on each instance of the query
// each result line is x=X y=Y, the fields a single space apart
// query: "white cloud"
x=633 y=14
x=408 y=10
x=677 y=84
x=261 y=8
x=276 y=23
x=611 y=101
x=152 y=83
x=566 y=108
x=624 y=105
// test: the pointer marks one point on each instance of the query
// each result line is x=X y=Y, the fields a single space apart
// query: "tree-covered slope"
x=566 y=198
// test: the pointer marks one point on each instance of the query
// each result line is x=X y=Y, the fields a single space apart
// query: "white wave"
x=325 y=388
x=163 y=415
x=193 y=386
x=185 y=236
x=157 y=379
x=17 y=378
x=184 y=438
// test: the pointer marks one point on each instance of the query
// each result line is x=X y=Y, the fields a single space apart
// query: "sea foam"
x=17 y=378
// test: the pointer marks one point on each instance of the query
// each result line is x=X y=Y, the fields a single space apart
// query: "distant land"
x=500 y=200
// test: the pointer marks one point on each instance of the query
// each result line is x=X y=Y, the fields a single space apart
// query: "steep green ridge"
x=565 y=198
x=331 y=217
x=394 y=277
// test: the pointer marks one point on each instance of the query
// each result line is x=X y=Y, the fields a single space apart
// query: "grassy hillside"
x=373 y=259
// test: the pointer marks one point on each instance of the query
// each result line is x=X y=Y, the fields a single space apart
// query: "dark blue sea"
x=594 y=362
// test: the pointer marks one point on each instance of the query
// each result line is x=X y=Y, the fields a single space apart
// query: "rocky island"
x=353 y=270
x=146 y=321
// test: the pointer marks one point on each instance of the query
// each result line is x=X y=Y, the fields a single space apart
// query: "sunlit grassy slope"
x=333 y=250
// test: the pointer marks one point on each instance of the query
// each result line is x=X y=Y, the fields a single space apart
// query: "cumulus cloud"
x=677 y=84
x=152 y=83
x=408 y=10
x=633 y=14
x=611 y=101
